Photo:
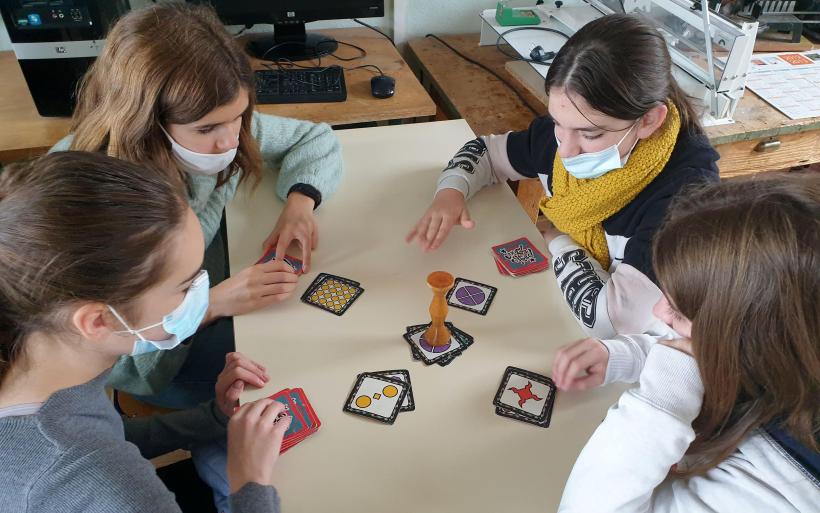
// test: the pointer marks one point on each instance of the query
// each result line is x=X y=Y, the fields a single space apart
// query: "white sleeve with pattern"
x=479 y=163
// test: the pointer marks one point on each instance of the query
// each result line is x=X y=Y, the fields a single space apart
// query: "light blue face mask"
x=593 y=165
x=180 y=324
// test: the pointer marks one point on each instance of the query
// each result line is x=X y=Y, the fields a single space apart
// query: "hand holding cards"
x=304 y=421
x=519 y=257
x=293 y=262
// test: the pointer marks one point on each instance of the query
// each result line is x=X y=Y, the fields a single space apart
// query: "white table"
x=453 y=453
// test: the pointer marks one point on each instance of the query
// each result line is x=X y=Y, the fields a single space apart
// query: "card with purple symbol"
x=471 y=296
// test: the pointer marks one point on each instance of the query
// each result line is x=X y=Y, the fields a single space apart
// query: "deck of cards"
x=332 y=293
x=294 y=262
x=525 y=396
x=519 y=257
x=381 y=395
x=444 y=355
x=304 y=421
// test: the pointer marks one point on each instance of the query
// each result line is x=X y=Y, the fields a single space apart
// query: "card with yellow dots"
x=332 y=293
x=376 y=396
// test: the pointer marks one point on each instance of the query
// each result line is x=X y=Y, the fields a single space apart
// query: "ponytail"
x=77 y=226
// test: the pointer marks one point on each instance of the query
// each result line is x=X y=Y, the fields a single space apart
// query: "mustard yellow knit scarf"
x=579 y=206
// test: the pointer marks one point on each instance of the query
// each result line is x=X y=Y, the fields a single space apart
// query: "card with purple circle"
x=471 y=296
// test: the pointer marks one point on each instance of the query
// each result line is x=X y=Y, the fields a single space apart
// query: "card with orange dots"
x=376 y=396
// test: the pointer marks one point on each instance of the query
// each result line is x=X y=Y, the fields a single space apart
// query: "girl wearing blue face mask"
x=101 y=258
x=173 y=88
x=621 y=139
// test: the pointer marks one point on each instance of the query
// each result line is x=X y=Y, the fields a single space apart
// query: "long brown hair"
x=741 y=260
x=168 y=63
x=79 y=226
x=621 y=66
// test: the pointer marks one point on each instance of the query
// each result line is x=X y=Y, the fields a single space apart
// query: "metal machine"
x=711 y=54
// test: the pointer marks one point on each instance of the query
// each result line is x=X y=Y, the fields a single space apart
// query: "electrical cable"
x=371 y=27
x=488 y=70
x=517 y=29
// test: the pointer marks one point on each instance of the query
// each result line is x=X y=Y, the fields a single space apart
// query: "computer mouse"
x=382 y=86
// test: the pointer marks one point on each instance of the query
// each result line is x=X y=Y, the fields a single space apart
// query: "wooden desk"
x=24 y=133
x=489 y=107
x=453 y=453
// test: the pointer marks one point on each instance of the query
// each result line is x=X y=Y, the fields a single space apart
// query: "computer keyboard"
x=301 y=85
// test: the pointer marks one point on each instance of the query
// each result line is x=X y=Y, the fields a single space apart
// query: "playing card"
x=525 y=394
x=332 y=294
x=304 y=408
x=465 y=340
x=471 y=296
x=507 y=413
x=519 y=257
x=377 y=397
x=294 y=262
x=297 y=423
x=404 y=376
x=430 y=354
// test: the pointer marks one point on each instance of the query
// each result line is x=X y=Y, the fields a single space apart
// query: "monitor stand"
x=290 y=41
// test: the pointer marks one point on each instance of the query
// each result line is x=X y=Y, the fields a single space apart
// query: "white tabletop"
x=453 y=453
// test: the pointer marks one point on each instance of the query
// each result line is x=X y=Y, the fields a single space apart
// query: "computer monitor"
x=289 y=39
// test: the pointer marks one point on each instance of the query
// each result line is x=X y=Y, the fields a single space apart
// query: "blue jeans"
x=211 y=463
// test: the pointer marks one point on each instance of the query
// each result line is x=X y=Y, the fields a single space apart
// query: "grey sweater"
x=71 y=455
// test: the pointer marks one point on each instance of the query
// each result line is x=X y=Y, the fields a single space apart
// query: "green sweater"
x=302 y=153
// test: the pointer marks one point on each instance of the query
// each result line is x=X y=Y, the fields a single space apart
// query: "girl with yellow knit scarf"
x=620 y=141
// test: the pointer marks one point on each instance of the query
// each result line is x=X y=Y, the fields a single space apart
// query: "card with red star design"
x=525 y=396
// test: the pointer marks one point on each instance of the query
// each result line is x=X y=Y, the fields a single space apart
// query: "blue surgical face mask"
x=593 y=165
x=180 y=324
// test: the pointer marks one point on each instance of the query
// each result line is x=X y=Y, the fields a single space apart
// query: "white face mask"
x=179 y=324
x=207 y=164
x=593 y=165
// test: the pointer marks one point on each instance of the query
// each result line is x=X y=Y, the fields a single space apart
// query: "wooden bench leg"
x=530 y=192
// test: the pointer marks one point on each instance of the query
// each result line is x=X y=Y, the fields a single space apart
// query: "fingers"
x=465 y=220
x=276 y=271
x=306 y=249
x=443 y=230
x=432 y=230
x=235 y=358
x=420 y=227
x=281 y=246
x=563 y=359
x=234 y=391
x=561 y=372
x=583 y=362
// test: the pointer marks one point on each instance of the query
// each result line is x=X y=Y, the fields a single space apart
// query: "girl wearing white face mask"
x=174 y=89
x=85 y=280
x=620 y=140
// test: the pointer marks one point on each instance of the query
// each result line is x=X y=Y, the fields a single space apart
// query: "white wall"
x=417 y=18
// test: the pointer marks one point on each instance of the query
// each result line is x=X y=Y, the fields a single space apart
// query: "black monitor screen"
x=242 y=12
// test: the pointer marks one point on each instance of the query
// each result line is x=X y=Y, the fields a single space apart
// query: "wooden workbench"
x=467 y=91
x=24 y=133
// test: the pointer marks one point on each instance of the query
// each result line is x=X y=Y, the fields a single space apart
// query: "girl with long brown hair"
x=94 y=251
x=620 y=140
x=726 y=418
x=172 y=88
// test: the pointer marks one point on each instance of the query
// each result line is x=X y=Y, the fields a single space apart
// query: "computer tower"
x=55 y=41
